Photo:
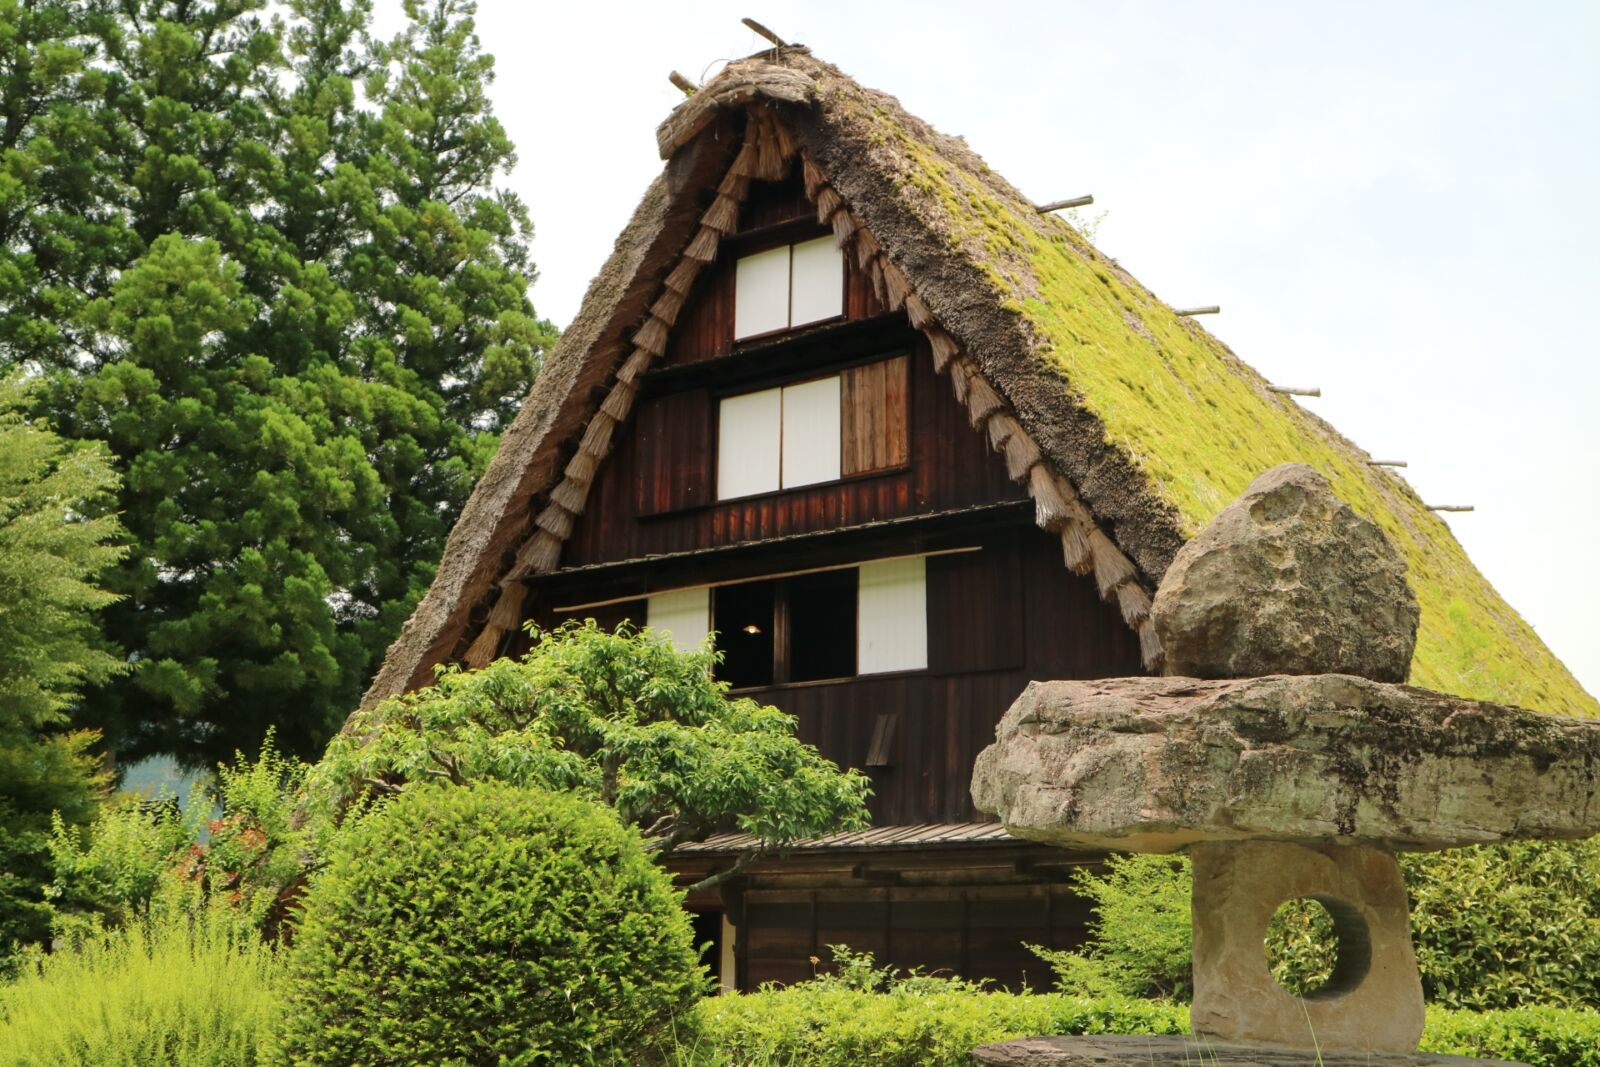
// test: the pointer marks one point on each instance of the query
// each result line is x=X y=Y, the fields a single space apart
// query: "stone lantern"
x=1283 y=756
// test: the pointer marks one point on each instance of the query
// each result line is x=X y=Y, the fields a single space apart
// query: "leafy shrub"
x=139 y=857
x=1537 y=1036
x=486 y=924
x=1505 y=926
x=1494 y=927
x=1141 y=928
x=622 y=717
x=178 y=990
x=815 y=1024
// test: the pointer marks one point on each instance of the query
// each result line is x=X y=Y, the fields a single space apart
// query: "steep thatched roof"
x=1130 y=425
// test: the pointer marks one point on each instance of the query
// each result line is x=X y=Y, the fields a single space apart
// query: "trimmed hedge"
x=487 y=924
x=811 y=1025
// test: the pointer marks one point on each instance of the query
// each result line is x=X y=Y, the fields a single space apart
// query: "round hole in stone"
x=1318 y=947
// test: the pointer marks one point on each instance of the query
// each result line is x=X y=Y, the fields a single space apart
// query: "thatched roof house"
x=1128 y=425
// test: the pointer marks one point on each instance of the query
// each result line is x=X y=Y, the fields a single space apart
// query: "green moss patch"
x=1199 y=422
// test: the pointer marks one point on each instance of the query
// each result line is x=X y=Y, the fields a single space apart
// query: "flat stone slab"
x=1157 y=764
x=1131 y=1049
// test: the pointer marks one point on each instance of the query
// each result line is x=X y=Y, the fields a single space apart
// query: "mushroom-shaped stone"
x=1286 y=787
x=1287 y=580
x=1156 y=764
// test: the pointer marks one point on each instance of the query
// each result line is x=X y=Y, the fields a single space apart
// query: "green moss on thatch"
x=1199 y=422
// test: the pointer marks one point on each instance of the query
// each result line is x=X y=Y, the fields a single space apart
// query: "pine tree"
x=51 y=552
x=273 y=274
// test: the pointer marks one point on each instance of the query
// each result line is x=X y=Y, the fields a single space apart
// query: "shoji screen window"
x=778 y=438
x=822 y=430
x=788 y=286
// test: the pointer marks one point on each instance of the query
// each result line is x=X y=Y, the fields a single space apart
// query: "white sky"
x=1394 y=201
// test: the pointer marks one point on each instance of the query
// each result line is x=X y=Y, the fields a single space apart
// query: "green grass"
x=166 y=993
x=1202 y=424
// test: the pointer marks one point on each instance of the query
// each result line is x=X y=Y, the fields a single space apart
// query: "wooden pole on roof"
x=1451 y=507
x=1057 y=205
x=1209 y=309
x=689 y=88
x=760 y=30
x=1294 y=390
x=1386 y=463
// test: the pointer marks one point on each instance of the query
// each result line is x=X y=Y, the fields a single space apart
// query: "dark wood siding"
x=674 y=435
x=975 y=931
x=704 y=329
x=997 y=619
x=951 y=467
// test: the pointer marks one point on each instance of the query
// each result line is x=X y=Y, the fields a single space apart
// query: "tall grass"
x=182 y=991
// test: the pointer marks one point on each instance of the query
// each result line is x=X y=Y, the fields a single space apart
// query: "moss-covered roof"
x=1155 y=422
x=1183 y=411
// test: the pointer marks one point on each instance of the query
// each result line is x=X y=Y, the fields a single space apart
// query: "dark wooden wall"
x=996 y=620
x=975 y=932
x=951 y=466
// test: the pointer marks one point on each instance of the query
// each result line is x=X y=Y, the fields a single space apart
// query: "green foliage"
x=840 y=1021
x=296 y=314
x=138 y=859
x=486 y=924
x=1501 y=926
x=51 y=555
x=1536 y=1036
x=830 y=1024
x=621 y=717
x=1142 y=931
x=182 y=991
x=1505 y=926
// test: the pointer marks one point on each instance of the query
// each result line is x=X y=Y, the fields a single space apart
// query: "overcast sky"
x=1397 y=202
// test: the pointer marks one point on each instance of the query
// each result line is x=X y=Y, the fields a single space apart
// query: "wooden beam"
x=1209 y=309
x=1057 y=205
x=1386 y=463
x=689 y=88
x=1451 y=507
x=762 y=31
x=1292 y=390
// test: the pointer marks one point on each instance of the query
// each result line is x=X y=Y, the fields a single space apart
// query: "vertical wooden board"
x=704 y=328
x=976 y=610
x=874 y=418
x=673 y=453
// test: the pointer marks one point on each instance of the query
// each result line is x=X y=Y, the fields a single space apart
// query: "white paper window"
x=788 y=286
x=816 y=281
x=684 y=614
x=811 y=432
x=749 y=439
x=761 y=293
x=892 y=616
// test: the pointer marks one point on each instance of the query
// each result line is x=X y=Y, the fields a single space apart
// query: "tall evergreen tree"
x=51 y=553
x=263 y=258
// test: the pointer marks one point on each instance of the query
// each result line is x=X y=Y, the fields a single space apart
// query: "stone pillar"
x=1372 y=1003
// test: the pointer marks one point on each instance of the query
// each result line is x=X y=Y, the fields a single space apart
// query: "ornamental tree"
x=622 y=717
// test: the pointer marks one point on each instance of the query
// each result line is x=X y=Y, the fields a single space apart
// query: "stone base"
x=1373 y=1002
x=1136 y=1050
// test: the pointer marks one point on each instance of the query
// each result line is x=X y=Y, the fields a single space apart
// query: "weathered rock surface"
x=1141 y=1050
x=1155 y=764
x=1287 y=580
x=1372 y=1002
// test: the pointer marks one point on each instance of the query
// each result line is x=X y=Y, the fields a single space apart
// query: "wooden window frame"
x=777 y=236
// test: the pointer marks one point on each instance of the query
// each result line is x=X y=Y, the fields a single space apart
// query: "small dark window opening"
x=822 y=625
x=708 y=936
x=744 y=617
x=797 y=629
